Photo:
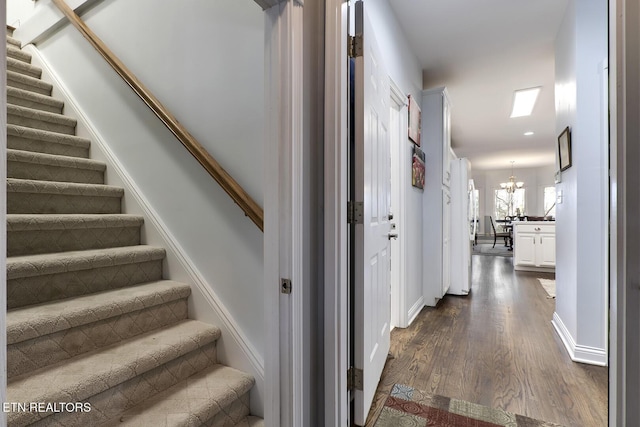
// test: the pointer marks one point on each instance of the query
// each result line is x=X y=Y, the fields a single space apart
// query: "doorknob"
x=392 y=236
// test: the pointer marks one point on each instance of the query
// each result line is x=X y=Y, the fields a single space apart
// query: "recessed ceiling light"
x=523 y=101
x=528 y=133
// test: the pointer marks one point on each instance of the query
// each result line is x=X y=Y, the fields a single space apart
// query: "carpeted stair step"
x=217 y=396
x=23 y=68
x=44 y=334
x=48 y=197
x=30 y=234
x=50 y=167
x=38 y=119
x=36 y=140
x=35 y=279
x=33 y=100
x=116 y=378
x=15 y=42
x=16 y=53
x=21 y=81
x=251 y=422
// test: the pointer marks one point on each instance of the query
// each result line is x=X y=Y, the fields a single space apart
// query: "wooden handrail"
x=222 y=177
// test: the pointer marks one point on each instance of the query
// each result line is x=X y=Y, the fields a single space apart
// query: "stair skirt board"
x=90 y=318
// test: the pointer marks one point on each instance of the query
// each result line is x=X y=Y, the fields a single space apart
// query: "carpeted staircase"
x=89 y=316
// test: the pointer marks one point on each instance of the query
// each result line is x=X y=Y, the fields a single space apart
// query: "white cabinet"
x=446 y=241
x=534 y=246
x=446 y=139
x=436 y=198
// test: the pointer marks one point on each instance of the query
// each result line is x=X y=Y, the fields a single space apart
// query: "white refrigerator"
x=463 y=226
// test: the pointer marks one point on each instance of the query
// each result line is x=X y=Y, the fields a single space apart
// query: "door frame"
x=398 y=107
x=624 y=68
x=287 y=390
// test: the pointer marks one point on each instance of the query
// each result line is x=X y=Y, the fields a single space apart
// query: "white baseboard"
x=415 y=310
x=234 y=349
x=578 y=353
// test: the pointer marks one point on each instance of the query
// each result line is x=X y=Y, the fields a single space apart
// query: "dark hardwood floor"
x=496 y=347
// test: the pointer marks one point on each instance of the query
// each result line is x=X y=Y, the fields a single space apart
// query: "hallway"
x=496 y=347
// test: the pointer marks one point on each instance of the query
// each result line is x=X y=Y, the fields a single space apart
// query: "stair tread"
x=44 y=116
x=83 y=376
x=14 y=41
x=28 y=80
x=53 y=137
x=14 y=51
x=52 y=263
x=33 y=96
x=40 y=222
x=23 y=67
x=251 y=421
x=42 y=319
x=67 y=188
x=54 y=160
x=191 y=402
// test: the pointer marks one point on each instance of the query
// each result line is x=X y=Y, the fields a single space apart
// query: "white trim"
x=604 y=201
x=415 y=310
x=335 y=222
x=287 y=368
x=578 y=353
x=238 y=352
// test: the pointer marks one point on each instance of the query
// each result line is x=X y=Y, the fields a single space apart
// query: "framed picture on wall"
x=564 y=149
x=415 y=125
x=417 y=168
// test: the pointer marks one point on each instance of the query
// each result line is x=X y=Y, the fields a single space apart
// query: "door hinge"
x=354 y=379
x=354 y=46
x=355 y=212
x=285 y=286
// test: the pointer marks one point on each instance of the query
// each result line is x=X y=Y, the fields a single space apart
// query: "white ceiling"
x=482 y=51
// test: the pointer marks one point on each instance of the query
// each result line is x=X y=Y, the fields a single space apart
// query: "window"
x=550 y=201
x=509 y=204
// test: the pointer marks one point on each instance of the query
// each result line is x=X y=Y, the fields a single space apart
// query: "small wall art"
x=564 y=149
x=415 y=125
x=417 y=168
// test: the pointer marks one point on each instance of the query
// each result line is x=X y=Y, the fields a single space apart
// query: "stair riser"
x=14 y=100
x=14 y=119
x=33 y=354
x=38 y=289
x=30 y=87
x=22 y=68
x=42 y=203
x=40 y=172
x=47 y=147
x=49 y=241
x=112 y=402
x=19 y=55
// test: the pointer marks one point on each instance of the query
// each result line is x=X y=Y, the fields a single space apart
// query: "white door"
x=372 y=303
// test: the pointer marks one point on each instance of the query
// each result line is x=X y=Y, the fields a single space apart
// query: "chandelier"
x=512 y=185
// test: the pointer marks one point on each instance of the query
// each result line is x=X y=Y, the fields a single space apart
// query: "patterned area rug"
x=488 y=249
x=408 y=407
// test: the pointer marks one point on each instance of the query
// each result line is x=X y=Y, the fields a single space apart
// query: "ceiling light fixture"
x=523 y=101
x=528 y=133
x=511 y=186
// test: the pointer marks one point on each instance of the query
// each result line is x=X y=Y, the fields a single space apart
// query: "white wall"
x=581 y=302
x=535 y=179
x=214 y=84
x=403 y=68
x=18 y=11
